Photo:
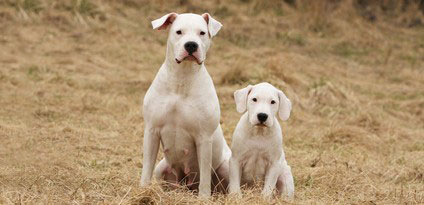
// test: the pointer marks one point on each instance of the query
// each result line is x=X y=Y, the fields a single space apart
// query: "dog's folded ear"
x=284 y=107
x=240 y=96
x=164 y=21
x=213 y=25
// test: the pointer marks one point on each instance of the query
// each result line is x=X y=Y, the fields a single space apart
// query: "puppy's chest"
x=255 y=159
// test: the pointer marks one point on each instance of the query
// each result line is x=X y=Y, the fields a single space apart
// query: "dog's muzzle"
x=191 y=47
x=189 y=58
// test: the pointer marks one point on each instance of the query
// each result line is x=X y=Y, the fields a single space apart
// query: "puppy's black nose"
x=191 y=47
x=262 y=117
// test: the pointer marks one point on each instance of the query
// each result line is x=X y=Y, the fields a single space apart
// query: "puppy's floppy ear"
x=213 y=25
x=284 y=107
x=240 y=96
x=164 y=21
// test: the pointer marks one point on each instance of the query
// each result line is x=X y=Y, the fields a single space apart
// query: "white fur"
x=213 y=25
x=181 y=110
x=257 y=151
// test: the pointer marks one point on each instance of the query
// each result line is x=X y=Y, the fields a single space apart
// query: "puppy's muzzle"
x=262 y=117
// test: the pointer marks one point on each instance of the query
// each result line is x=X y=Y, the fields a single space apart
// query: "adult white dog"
x=181 y=109
x=257 y=151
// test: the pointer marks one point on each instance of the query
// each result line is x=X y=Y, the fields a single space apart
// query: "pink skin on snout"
x=185 y=56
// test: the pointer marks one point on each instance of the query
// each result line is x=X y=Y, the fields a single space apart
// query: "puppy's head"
x=262 y=102
x=189 y=35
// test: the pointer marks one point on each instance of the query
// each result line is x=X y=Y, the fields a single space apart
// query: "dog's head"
x=262 y=102
x=189 y=35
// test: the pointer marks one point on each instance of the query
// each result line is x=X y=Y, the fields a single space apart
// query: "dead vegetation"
x=73 y=73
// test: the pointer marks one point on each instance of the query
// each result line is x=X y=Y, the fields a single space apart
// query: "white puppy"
x=181 y=109
x=257 y=151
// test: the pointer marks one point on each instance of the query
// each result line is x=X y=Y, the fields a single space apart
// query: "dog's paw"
x=144 y=183
x=267 y=194
x=288 y=188
x=204 y=193
x=236 y=195
x=234 y=190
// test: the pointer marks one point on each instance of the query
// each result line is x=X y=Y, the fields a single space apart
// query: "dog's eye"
x=202 y=33
x=272 y=102
x=179 y=32
x=254 y=99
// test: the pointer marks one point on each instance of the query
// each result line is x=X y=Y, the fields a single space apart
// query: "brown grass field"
x=73 y=75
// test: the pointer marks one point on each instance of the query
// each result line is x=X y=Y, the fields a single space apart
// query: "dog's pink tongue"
x=191 y=58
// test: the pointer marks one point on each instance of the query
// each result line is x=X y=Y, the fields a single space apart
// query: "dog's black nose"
x=262 y=117
x=191 y=47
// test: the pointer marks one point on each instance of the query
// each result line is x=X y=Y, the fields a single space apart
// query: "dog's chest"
x=179 y=111
x=256 y=159
x=179 y=120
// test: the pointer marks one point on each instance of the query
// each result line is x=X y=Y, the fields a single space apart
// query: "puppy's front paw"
x=267 y=194
x=236 y=195
x=288 y=187
x=234 y=189
x=289 y=190
x=144 y=183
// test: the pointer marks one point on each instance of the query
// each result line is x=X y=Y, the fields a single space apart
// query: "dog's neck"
x=180 y=76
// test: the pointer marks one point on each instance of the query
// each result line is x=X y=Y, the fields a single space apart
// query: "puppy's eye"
x=272 y=102
x=202 y=33
x=254 y=99
x=179 y=32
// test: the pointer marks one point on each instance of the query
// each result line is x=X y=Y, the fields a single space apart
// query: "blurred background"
x=73 y=75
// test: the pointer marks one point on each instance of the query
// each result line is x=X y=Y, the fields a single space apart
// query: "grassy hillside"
x=73 y=75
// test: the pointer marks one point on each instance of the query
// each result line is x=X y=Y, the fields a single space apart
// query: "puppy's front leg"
x=150 y=152
x=234 y=176
x=204 y=155
x=287 y=181
x=271 y=179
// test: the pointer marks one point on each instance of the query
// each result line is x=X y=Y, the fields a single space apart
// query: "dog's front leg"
x=150 y=152
x=285 y=182
x=235 y=176
x=271 y=179
x=204 y=155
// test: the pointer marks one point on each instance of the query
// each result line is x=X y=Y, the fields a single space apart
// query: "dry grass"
x=72 y=76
